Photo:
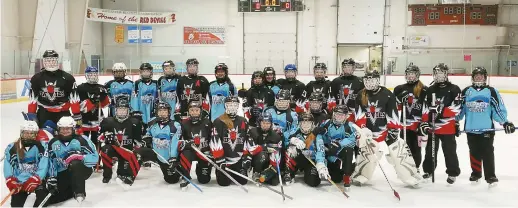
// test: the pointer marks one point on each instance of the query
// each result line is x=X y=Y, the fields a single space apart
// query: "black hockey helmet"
x=163 y=105
x=341 y=109
x=168 y=63
x=257 y=74
x=231 y=99
x=306 y=123
x=306 y=117
x=348 y=67
x=340 y=114
x=224 y=67
x=316 y=101
x=195 y=104
x=412 y=73
x=440 y=73
x=371 y=80
x=50 y=54
x=320 y=66
x=284 y=95
x=192 y=61
x=479 y=71
x=122 y=108
x=269 y=71
x=231 y=106
x=145 y=66
x=265 y=116
x=349 y=61
x=122 y=102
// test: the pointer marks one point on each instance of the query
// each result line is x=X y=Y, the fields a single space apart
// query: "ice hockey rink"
x=151 y=190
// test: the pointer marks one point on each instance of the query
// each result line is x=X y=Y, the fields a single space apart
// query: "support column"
x=76 y=23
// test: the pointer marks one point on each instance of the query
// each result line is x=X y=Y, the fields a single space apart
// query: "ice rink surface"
x=151 y=190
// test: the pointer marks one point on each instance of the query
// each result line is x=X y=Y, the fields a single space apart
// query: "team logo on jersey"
x=347 y=93
x=374 y=112
x=199 y=139
x=412 y=103
x=478 y=104
x=122 y=137
x=189 y=93
x=27 y=167
x=259 y=103
x=51 y=91
x=233 y=139
x=219 y=98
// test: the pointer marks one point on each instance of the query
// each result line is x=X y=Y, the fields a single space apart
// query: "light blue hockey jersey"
x=284 y=124
x=165 y=139
x=144 y=97
x=217 y=94
x=58 y=151
x=345 y=134
x=167 y=91
x=116 y=89
x=481 y=107
x=35 y=162
x=317 y=147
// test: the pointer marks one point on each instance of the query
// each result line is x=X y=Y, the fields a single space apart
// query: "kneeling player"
x=161 y=143
x=118 y=134
x=265 y=169
x=72 y=158
x=25 y=165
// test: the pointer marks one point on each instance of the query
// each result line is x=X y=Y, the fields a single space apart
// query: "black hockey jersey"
x=127 y=132
x=296 y=88
x=413 y=104
x=445 y=96
x=53 y=91
x=199 y=133
x=191 y=88
x=323 y=86
x=93 y=97
x=266 y=139
x=258 y=99
x=345 y=89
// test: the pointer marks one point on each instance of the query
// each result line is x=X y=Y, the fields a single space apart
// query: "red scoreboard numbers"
x=453 y=14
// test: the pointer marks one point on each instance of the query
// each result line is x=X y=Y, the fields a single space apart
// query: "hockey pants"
x=70 y=182
x=412 y=140
x=43 y=115
x=341 y=166
x=145 y=154
x=223 y=180
x=18 y=200
x=128 y=163
x=203 y=169
x=481 y=154
x=311 y=177
x=449 y=148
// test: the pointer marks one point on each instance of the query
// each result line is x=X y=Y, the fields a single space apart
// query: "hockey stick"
x=45 y=200
x=259 y=184
x=177 y=171
x=434 y=116
x=396 y=194
x=219 y=168
x=328 y=177
x=481 y=130
x=98 y=143
x=404 y=118
x=7 y=197
x=280 y=178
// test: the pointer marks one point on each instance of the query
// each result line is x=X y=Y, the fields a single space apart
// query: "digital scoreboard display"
x=270 y=5
x=453 y=14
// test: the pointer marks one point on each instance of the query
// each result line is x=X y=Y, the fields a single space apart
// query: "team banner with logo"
x=130 y=17
x=204 y=35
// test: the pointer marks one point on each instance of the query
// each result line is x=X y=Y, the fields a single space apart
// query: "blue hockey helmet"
x=92 y=75
x=290 y=67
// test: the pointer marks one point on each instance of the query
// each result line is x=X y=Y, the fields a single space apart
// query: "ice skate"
x=80 y=197
x=288 y=180
x=474 y=180
x=106 y=179
x=124 y=181
x=184 y=184
x=347 y=183
x=492 y=182
x=451 y=179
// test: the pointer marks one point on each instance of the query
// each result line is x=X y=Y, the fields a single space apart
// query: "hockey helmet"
x=316 y=101
x=50 y=60
x=219 y=76
x=192 y=66
x=257 y=78
x=195 y=110
x=92 y=75
x=122 y=108
x=371 y=80
x=306 y=124
x=163 y=111
x=412 y=73
x=169 y=68
x=283 y=100
x=231 y=106
x=66 y=126
x=479 y=76
x=340 y=114
x=269 y=74
x=28 y=132
x=348 y=66
x=440 y=73
x=119 y=70
x=265 y=121
x=290 y=72
x=146 y=71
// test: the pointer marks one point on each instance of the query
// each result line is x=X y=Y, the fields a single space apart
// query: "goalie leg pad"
x=401 y=158
x=366 y=163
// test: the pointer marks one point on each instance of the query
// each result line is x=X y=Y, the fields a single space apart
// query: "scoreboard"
x=453 y=14
x=270 y=5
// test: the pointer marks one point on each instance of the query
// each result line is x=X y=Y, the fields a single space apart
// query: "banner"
x=204 y=35
x=8 y=90
x=130 y=17
x=146 y=34
x=119 y=34
x=133 y=34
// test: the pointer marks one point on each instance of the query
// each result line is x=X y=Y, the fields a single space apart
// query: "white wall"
x=9 y=27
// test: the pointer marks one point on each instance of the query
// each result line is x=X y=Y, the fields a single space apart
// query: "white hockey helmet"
x=29 y=126
x=119 y=70
x=66 y=121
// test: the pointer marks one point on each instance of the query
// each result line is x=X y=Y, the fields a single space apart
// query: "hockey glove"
x=137 y=115
x=247 y=162
x=109 y=138
x=322 y=171
x=148 y=141
x=52 y=185
x=241 y=93
x=319 y=130
x=509 y=127
x=392 y=136
x=31 y=184
x=402 y=97
x=333 y=148
x=12 y=184
x=424 y=128
x=75 y=155
x=457 y=129
x=173 y=163
x=297 y=143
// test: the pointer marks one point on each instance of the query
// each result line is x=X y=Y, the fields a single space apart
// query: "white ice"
x=151 y=190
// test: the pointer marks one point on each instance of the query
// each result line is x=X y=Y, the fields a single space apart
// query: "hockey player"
x=53 y=93
x=219 y=89
x=230 y=145
x=167 y=86
x=316 y=108
x=257 y=98
x=161 y=144
x=442 y=105
x=145 y=93
x=265 y=162
x=270 y=79
x=345 y=88
x=376 y=109
x=71 y=160
x=292 y=85
x=284 y=120
x=119 y=86
x=320 y=83
x=93 y=98
x=339 y=137
x=302 y=144
x=192 y=87
x=411 y=95
x=483 y=104
x=196 y=131
x=26 y=165
x=119 y=133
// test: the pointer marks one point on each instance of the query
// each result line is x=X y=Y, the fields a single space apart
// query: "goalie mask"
x=119 y=71
x=146 y=71
x=28 y=132
x=412 y=74
x=265 y=121
x=92 y=75
x=50 y=60
x=440 y=73
x=194 y=112
x=319 y=71
x=348 y=67
x=163 y=111
x=192 y=66
x=231 y=106
x=282 y=102
x=306 y=124
x=316 y=102
x=169 y=68
x=340 y=115
x=290 y=72
x=122 y=108
x=371 y=80
x=479 y=77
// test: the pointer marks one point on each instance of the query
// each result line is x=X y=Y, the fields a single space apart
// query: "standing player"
x=145 y=93
x=93 y=98
x=441 y=111
x=292 y=85
x=119 y=86
x=53 y=93
x=320 y=83
x=119 y=133
x=412 y=96
x=258 y=98
x=345 y=88
x=376 y=109
x=483 y=104
x=270 y=79
x=192 y=87
x=72 y=158
x=26 y=165
x=167 y=85
x=219 y=89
